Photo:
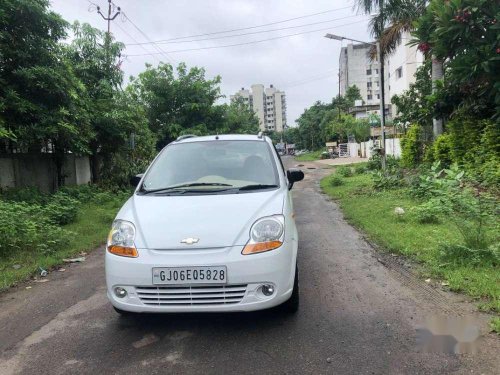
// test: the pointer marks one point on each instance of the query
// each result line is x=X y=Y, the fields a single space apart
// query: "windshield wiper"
x=194 y=184
x=257 y=187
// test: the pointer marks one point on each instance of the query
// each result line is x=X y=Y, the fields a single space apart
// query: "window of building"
x=399 y=72
x=376 y=71
x=369 y=97
x=378 y=96
x=368 y=72
x=368 y=84
x=378 y=83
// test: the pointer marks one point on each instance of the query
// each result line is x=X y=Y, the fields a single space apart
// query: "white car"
x=210 y=228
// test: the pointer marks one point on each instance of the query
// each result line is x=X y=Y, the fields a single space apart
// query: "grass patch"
x=90 y=230
x=373 y=212
x=310 y=156
x=495 y=324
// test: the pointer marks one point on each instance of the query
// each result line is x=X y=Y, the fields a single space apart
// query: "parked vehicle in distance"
x=210 y=227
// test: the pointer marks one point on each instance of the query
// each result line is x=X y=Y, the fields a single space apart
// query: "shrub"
x=360 y=169
x=336 y=180
x=442 y=150
x=62 y=209
x=344 y=171
x=27 y=194
x=391 y=178
x=464 y=255
x=25 y=228
x=426 y=213
x=412 y=147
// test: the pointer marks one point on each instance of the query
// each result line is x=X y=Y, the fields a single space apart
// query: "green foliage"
x=390 y=178
x=464 y=255
x=61 y=209
x=426 y=213
x=412 y=147
x=239 y=119
x=360 y=168
x=336 y=180
x=495 y=324
x=441 y=150
x=25 y=228
x=340 y=129
x=344 y=171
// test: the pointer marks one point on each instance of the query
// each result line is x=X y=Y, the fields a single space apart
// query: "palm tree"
x=397 y=17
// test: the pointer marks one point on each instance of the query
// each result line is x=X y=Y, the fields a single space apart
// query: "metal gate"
x=343 y=150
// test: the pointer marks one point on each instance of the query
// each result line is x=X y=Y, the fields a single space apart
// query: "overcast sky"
x=304 y=66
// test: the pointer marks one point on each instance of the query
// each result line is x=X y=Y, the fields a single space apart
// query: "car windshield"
x=213 y=166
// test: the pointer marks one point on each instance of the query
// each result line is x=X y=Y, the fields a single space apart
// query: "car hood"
x=220 y=220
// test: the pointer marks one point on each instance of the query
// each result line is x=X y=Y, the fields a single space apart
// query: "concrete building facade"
x=357 y=68
x=269 y=105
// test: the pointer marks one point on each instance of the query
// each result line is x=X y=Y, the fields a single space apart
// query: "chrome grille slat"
x=191 y=295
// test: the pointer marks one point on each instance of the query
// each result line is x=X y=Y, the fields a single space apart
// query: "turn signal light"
x=130 y=252
x=260 y=247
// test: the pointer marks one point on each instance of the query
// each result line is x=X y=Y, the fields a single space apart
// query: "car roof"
x=223 y=137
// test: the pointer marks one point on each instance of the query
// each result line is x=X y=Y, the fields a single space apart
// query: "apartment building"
x=357 y=68
x=268 y=103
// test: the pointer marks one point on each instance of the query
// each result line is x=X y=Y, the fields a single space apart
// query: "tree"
x=92 y=54
x=341 y=129
x=239 y=119
x=178 y=103
x=43 y=102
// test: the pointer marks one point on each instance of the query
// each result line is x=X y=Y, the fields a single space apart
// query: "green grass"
x=90 y=230
x=310 y=156
x=373 y=213
x=495 y=324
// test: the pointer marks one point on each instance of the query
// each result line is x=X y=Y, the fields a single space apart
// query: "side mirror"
x=134 y=181
x=294 y=175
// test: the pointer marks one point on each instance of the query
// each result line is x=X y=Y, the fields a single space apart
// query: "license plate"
x=190 y=275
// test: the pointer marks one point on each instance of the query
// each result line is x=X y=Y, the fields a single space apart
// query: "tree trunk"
x=436 y=74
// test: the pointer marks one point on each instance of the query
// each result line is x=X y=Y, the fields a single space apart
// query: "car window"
x=228 y=163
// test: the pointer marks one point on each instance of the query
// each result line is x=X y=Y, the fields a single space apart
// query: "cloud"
x=292 y=64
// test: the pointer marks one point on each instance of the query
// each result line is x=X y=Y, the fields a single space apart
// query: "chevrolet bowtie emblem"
x=190 y=241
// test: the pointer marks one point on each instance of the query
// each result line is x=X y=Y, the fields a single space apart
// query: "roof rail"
x=185 y=136
x=259 y=135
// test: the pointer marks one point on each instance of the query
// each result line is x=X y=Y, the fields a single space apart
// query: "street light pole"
x=382 y=84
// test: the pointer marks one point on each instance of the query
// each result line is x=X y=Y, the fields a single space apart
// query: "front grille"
x=191 y=295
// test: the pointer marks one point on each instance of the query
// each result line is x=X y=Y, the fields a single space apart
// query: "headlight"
x=121 y=239
x=266 y=234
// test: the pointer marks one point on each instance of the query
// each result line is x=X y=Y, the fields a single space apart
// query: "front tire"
x=292 y=305
x=123 y=313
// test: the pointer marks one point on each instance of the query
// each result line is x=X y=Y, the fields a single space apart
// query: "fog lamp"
x=120 y=292
x=267 y=290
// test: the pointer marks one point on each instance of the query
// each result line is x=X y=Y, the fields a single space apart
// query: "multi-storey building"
x=357 y=68
x=269 y=105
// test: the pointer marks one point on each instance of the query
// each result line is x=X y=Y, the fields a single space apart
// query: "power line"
x=158 y=48
x=133 y=39
x=250 y=33
x=254 y=27
x=252 y=42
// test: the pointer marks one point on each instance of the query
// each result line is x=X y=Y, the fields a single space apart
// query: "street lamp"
x=381 y=72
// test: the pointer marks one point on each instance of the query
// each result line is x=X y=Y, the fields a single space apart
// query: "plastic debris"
x=74 y=260
x=43 y=273
x=62 y=269
x=399 y=211
x=28 y=287
x=427 y=280
x=444 y=283
x=16 y=266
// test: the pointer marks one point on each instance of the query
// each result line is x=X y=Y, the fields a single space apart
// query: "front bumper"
x=276 y=267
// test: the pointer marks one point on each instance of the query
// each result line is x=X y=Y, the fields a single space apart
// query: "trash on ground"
x=427 y=280
x=74 y=260
x=445 y=283
x=16 y=266
x=41 y=281
x=29 y=287
x=43 y=273
x=62 y=269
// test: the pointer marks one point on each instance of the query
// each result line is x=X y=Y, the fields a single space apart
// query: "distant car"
x=210 y=227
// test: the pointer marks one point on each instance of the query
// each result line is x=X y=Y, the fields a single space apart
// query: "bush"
x=336 y=180
x=412 y=147
x=25 y=228
x=464 y=255
x=391 y=178
x=27 y=194
x=442 y=150
x=62 y=209
x=344 y=171
x=360 y=169
x=426 y=213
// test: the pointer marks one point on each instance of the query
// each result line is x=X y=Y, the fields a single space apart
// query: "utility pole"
x=109 y=18
x=382 y=102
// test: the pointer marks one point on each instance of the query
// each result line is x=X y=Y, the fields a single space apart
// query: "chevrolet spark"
x=209 y=228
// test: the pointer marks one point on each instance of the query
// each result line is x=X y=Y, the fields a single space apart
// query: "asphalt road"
x=360 y=312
